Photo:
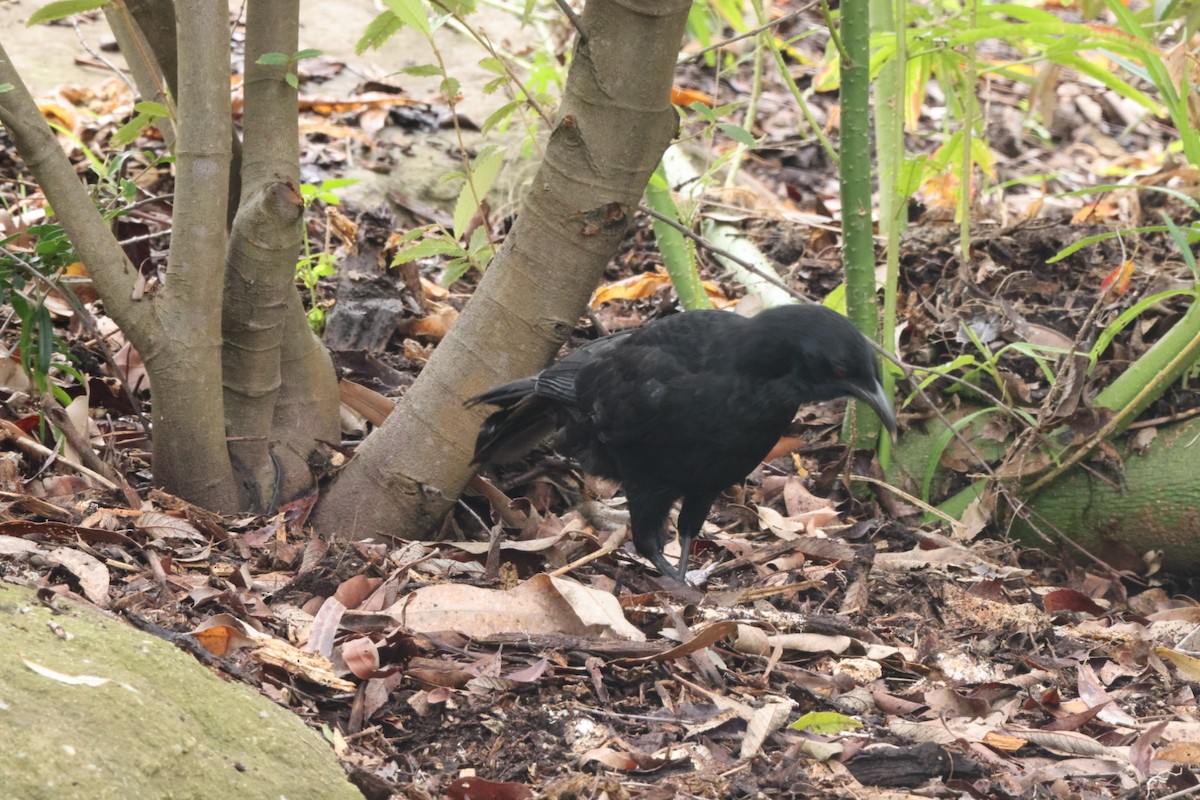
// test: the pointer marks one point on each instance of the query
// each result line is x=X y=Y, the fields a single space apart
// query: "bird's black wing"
x=530 y=409
x=672 y=408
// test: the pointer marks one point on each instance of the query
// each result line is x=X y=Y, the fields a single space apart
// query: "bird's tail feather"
x=506 y=395
x=514 y=430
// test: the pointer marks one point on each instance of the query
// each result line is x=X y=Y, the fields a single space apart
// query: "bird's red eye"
x=839 y=373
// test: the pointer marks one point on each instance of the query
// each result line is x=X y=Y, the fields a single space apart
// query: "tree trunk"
x=264 y=322
x=263 y=385
x=616 y=120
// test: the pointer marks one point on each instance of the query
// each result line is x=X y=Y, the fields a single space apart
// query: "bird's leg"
x=647 y=517
x=691 y=519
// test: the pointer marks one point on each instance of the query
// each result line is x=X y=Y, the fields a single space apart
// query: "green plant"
x=148 y=114
x=25 y=282
x=283 y=59
x=469 y=224
x=312 y=266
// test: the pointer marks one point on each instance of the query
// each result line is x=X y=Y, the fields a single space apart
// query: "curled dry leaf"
x=165 y=526
x=88 y=570
x=222 y=633
x=754 y=641
x=541 y=605
x=435 y=325
x=767 y=719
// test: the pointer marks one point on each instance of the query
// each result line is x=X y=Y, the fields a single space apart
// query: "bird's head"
x=830 y=357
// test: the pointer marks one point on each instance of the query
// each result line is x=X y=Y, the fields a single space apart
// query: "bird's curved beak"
x=880 y=403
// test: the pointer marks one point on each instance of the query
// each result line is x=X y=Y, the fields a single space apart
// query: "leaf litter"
x=831 y=653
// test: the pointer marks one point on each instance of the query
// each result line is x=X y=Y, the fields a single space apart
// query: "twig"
x=565 y=7
x=747 y=34
x=27 y=443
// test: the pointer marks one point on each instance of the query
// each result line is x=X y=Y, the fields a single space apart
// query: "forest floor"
x=916 y=658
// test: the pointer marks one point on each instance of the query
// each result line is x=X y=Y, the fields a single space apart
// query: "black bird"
x=683 y=407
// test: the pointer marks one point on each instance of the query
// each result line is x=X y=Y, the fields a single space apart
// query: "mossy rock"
x=161 y=726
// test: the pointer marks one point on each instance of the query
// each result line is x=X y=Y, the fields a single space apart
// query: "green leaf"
x=912 y=172
x=455 y=270
x=151 y=108
x=703 y=111
x=292 y=81
x=379 y=31
x=484 y=172
x=495 y=83
x=426 y=248
x=458 y=7
x=493 y=65
x=738 y=134
x=479 y=246
x=128 y=132
x=499 y=115
x=45 y=331
x=416 y=233
x=450 y=86
x=330 y=184
x=308 y=52
x=272 y=59
x=6 y=87
x=836 y=299
x=825 y=722
x=410 y=12
x=63 y=8
x=943 y=441
x=423 y=70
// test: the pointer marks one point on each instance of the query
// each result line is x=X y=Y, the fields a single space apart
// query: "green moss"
x=163 y=726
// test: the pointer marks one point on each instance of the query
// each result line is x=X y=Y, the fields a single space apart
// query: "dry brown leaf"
x=1188 y=666
x=91 y=573
x=368 y=403
x=541 y=605
x=435 y=325
x=165 y=526
x=772 y=715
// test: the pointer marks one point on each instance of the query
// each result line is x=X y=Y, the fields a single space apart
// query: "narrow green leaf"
x=337 y=183
x=499 y=115
x=151 y=108
x=128 y=132
x=942 y=442
x=423 y=70
x=63 y=8
x=484 y=171
x=272 y=59
x=458 y=7
x=308 y=52
x=1127 y=316
x=45 y=331
x=426 y=248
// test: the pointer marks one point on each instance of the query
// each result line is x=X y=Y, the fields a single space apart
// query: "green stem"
x=858 y=253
